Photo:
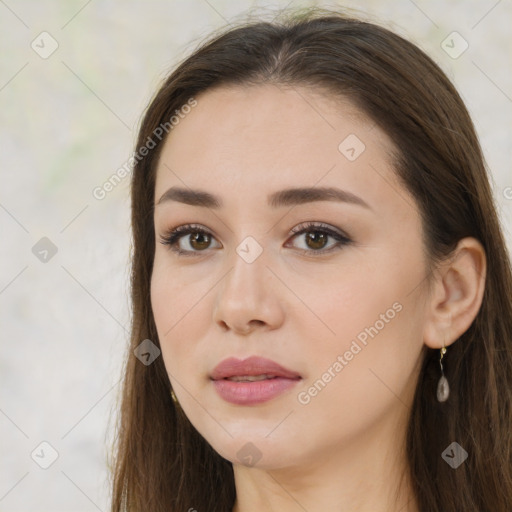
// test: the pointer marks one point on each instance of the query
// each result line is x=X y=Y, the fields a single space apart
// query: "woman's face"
x=329 y=286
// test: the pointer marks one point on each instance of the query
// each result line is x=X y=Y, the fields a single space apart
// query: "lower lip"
x=251 y=393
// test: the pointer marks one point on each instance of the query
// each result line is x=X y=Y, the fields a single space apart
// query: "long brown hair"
x=161 y=462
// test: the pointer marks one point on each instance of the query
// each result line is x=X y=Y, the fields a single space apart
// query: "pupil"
x=318 y=239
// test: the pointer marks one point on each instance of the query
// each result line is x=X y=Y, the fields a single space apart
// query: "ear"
x=456 y=294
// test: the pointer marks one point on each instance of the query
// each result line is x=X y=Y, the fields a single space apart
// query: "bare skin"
x=339 y=447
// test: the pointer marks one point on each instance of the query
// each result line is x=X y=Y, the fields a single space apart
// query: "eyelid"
x=320 y=226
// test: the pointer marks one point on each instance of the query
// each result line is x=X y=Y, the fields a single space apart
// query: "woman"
x=322 y=313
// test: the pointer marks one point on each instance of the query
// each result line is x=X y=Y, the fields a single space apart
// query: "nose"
x=249 y=298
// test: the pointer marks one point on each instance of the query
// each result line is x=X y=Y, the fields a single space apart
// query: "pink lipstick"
x=251 y=381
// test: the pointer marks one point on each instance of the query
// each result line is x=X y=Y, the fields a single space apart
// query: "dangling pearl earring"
x=443 y=389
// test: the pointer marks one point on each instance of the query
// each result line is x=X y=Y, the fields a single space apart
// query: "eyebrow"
x=287 y=197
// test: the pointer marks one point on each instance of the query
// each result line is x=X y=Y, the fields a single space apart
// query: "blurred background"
x=75 y=77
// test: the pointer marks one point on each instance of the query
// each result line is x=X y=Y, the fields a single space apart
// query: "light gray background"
x=68 y=123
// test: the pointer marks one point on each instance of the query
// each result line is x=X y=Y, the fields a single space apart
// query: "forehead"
x=268 y=119
x=263 y=138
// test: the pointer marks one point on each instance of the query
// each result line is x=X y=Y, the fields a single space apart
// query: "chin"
x=253 y=451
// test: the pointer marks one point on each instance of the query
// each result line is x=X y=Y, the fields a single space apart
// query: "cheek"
x=371 y=312
x=180 y=308
x=341 y=301
x=173 y=296
x=368 y=370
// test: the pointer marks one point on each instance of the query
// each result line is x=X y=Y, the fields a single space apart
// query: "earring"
x=443 y=389
x=174 y=398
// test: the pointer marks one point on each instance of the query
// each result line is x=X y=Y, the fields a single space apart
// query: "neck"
x=360 y=477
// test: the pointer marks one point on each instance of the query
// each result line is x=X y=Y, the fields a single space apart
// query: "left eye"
x=316 y=239
x=317 y=236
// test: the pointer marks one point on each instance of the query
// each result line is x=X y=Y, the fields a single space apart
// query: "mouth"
x=252 y=381
x=250 y=378
x=254 y=366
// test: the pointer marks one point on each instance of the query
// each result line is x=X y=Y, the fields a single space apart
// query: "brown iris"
x=201 y=239
x=316 y=239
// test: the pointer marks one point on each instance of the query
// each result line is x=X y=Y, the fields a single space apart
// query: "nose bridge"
x=247 y=294
x=248 y=268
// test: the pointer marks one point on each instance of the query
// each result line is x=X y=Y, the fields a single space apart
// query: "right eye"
x=199 y=242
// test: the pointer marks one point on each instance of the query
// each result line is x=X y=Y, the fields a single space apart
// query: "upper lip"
x=232 y=367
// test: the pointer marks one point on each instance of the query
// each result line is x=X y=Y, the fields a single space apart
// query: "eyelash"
x=172 y=237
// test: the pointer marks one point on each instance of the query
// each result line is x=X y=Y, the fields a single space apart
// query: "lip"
x=255 y=392
x=232 y=367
